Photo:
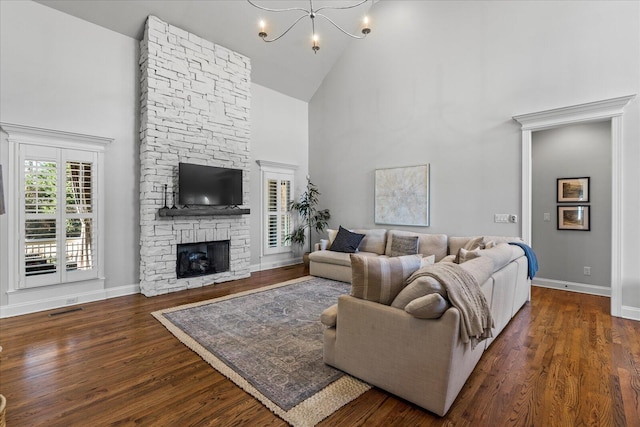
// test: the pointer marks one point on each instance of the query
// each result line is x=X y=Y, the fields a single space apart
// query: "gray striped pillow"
x=381 y=279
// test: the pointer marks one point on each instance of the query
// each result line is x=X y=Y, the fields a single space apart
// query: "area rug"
x=269 y=342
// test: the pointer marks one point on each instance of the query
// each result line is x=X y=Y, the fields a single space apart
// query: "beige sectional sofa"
x=376 y=242
x=424 y=361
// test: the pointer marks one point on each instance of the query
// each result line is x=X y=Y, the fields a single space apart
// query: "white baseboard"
x=572 y=286
x=632 y=313
x=121 y=291
x=67 y=300
x=275 y=264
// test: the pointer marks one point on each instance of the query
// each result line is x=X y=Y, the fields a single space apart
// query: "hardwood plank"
x=561 y=361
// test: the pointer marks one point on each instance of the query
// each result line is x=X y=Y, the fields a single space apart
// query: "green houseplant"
x=310 y=217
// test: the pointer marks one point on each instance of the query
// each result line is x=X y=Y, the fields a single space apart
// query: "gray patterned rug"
x=269 y=342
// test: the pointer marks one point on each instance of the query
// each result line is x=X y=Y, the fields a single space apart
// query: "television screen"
x=209 y=185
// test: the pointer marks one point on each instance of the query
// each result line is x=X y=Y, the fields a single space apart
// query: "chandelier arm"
x=341 y=7
x=278 y=10
x=285 y=31
x=340 y=28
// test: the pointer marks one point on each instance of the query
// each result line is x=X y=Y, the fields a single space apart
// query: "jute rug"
x=269 y=342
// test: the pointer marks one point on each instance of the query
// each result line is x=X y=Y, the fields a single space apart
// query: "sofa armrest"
x=421 y=360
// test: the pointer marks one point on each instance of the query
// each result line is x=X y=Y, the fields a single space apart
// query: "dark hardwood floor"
x=562 y=361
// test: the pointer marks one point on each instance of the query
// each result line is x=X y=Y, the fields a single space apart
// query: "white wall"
x=438 y=82
x=581 y=150
x=279 y=133
x=59 y=72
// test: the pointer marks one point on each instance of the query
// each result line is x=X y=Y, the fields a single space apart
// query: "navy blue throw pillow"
x=346 y=241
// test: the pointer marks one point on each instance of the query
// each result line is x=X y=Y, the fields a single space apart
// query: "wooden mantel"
x=206 y=211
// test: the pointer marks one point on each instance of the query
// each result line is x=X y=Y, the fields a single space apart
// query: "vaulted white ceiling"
x=288 y=65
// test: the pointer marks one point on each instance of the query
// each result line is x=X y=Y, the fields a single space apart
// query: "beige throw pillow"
x=471 y=245
x=332 y=235
x=418 y=288
x=465 y=255
x=380 y=279
x=430 y=306
x=329 y=317
x=404 y=245
x=427 y=261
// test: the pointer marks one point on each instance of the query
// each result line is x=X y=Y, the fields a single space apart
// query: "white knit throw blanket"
x=464 y=293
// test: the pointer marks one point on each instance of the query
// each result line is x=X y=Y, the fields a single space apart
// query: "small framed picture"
x=573 y=190
x=574 y=218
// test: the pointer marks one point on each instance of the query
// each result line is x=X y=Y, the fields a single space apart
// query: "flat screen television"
x=209 y=185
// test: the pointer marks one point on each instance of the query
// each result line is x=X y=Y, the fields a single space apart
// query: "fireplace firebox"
x=203 y=258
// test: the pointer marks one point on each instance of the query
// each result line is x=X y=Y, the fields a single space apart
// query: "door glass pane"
x=40 y=187
x=285 y=195
x=40 y=246
x=272 y=231
x=79 y=244
x=285 y=230
x=272 y=195
x=78 y=188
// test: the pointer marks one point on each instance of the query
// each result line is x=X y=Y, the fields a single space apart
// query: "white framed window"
x=277 y=184
x=56 y=207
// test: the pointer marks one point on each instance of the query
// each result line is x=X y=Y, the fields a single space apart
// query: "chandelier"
x=312 y=14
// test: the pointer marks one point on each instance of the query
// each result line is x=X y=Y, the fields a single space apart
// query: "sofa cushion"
x=346 y=241
x=374 y=240
x=380 y=279
x=329 y=317
x=404 y=245
x=502 y=254
x=428 y=244
x=418 y=288
x=430 y=306
x=336 y=258
x=481 y=268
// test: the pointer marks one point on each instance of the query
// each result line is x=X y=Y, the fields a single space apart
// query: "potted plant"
x=310 y=217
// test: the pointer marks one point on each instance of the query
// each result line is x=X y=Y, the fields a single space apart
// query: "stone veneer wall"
x=195 y=102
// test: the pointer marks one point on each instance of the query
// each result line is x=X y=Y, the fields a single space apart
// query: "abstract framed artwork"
x=573 y=190
x=402 y=196
x=574 y=218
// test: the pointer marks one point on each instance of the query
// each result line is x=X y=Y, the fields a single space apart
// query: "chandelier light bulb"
x=262 y=32
x=365 y=27
x=315 y=47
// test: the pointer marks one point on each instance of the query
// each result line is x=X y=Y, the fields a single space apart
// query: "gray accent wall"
x=582 y=150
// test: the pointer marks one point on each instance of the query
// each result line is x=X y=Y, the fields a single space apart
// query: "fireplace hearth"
x=203 y=258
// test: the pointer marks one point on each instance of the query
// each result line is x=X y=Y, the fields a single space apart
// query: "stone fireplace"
x=195 y=102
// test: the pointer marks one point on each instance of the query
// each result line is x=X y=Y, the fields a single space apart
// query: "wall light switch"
x=501 y=218
x=547 y=216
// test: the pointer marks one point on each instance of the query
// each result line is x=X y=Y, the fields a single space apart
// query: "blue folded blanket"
x=531 y=258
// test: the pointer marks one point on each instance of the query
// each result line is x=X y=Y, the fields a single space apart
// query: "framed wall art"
x=574 y=218
x=573 y=190
x=402 y=196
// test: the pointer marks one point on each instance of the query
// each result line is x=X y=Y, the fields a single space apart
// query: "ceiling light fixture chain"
x=312 y=14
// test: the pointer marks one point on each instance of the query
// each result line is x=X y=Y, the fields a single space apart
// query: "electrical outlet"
x=73 y=300
x=547 y=216
x=587 y=271
x=513 y=218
